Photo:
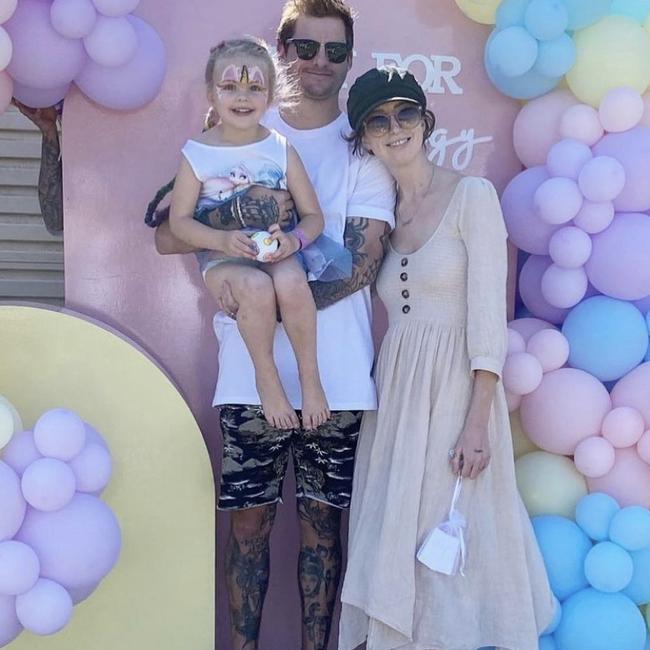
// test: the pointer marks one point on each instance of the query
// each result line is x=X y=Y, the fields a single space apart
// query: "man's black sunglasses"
x=307 y=49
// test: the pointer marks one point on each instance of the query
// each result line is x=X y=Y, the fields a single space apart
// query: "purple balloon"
x=79 y=594
x=92 y=468
x=602 y=179
x=93 y=436
x=42 y=58
x=45 y=609
x=632 y=149
x=59 y=433
x=525 y=229
x=77 y=545
x=567 y=158
x=558 y=200
x=12 y=503
x=530 y=288
x=19 y=568
x=10 y=626
x=48 y=484
x=594 y=217
x=73 y=18
x=38 y=98
x=21 y=452
x=134 y=84
x=619 y=265
x=112 y=42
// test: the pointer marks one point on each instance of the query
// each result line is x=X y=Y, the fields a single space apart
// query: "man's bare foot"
x=315 y=410
x=277 y=410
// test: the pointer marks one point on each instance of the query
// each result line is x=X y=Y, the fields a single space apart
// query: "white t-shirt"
x=347 y=186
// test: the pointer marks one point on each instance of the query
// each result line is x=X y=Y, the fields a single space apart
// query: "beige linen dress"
x=446 y=311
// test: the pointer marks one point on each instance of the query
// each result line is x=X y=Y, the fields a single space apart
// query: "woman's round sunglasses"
x=307 y=49
x=407 y=117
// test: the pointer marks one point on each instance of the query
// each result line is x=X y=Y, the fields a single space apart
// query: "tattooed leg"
x=319 y=569
x=247 y=572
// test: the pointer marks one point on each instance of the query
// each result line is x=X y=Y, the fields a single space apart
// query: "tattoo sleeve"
x=50 y=183
x=367 y=240
x=258 y=211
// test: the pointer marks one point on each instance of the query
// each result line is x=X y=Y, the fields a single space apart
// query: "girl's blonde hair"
x=282 y=91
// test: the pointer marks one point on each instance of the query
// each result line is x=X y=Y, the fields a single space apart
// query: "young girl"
x=242 y=80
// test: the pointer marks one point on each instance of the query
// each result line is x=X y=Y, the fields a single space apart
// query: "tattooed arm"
x=50 y=180
x=366 y=239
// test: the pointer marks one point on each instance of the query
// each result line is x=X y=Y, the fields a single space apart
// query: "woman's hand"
x=288 y=244
x=471 y=455
x=235 y=243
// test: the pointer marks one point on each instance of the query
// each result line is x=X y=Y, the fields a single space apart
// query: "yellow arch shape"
x=160 y=596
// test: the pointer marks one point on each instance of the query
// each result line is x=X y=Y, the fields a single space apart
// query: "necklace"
x=416 y=210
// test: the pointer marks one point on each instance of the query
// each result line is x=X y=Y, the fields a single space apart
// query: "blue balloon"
x=512 y=51
x=594 y=514
x=583 y=13
x=564 y=548
x=607 y=337
x=557 y=57
x=557 y=617
x=631 y=528
x=639 y=588
x=547 y=643
x=510 y=13
x=608 y=567
x=546 y=20
x=637 y=9
x=593 y=620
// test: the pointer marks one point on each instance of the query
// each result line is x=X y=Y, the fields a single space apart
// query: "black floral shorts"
x=255 y=457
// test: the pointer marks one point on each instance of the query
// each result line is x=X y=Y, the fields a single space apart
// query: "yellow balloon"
x=614 y=52
x=520 y=443
x=549 y=484
x=482 y=11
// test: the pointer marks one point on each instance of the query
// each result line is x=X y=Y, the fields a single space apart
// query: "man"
x=315 y=38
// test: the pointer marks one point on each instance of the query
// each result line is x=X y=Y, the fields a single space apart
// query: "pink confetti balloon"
x=628 y=481
x=558 y=200
x=19 y=568
x=537 y=126
x=48 y=484
x=633 y=390
x=564 y=288
x=567 y=158
x=631 y=149
x=6 y=91
x=623 y=426
x=522 y=373
x=550 y=348
x=619 y=265
x=643 y=447
x=582 y=123
x=530 y=289
x=10 y=626
x=602 y=179
x=73 y=18
x=567 y=407
x=39 y=98
x=594 y=457
x=570 y=247
x=621 y=109
x=42 y=58
x=134 y=84
x=12 y=512
x=112 y=42
x=115 y=7
x=594 y=217
x=45 y=609
x=59 y=433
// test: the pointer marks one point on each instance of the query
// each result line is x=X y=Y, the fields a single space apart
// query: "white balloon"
x=7 y=8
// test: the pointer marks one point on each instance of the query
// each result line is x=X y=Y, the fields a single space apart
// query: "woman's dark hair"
x=356 y=137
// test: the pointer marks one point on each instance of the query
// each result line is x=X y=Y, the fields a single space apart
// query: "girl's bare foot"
x=277 y=410
x=315 y=410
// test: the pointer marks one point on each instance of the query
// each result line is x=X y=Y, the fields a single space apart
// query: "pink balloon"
x=550 y=347
x=522 y=373
x=38 y=98
x=77 y=545
x=564 y=288
x=570 y=247
x=10 y=626
x=42 y=58
x=536 y=128
x=7 y=8
x=6 y=48
x=633 y=390
x=45 y=609
x=594 y=457
x=632 y=150
x=623 y=426
x=621 y=109
x=19 y=567
x=116 y=7
x=582 y=123
x=21 y=452
x=525 y=229
x=643 y=447
x=113 y=41
x=529 y=326
x=59 y=433
x=558 y=200
x=92 y=468
x=628 y=481
x=568 y=407
x=73 y=18
x=13 y=508
x=134 y=84
x=567 y=158
x=48 y=484
x=516 y=342
x=530 y=289
x=6 y=91
x=619 y=265
x=602 y=179
x=594 y=217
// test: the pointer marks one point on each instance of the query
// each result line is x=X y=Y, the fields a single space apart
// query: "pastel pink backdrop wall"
x=114 y=162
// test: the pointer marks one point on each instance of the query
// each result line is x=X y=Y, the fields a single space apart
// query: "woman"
x=442 y=409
